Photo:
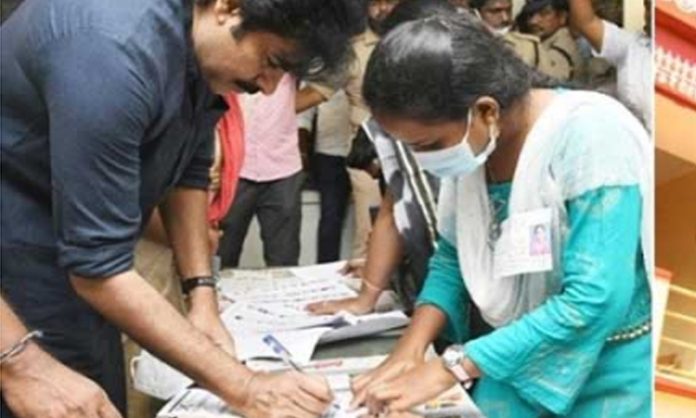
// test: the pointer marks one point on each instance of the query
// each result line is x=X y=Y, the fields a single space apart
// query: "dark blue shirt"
x=103 y=112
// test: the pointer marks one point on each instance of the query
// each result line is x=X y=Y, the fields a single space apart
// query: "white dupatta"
x=465 y=216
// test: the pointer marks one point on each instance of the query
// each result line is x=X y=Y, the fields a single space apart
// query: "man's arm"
x=185 y=214
x=34 y=384
x=584 y=20
x=95 y=169
x=308 y=97
x=130 y=303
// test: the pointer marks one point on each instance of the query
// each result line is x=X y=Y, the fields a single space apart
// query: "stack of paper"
x=273 y=301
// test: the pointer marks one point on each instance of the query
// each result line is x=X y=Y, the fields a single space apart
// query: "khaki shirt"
x=363 y=45
x=558 y=56
x=565 y=61
x=527 y=47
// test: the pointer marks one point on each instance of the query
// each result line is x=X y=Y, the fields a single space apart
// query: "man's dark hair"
x=321 y=28
x=408 y=10
x=434 y=69
x=478 y=4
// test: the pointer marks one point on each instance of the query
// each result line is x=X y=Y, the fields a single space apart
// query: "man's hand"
x=290 y=394
x=38 y=386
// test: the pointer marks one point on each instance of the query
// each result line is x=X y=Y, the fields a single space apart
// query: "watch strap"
x=460 y=373
x=187 y=285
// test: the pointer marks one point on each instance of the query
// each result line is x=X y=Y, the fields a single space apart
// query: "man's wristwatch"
x=453 y=358
x=187 y=285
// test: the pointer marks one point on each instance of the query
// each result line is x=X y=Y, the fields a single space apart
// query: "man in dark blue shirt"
x=108 y=111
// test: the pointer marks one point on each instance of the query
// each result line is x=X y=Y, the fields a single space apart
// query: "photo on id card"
x=525 y=244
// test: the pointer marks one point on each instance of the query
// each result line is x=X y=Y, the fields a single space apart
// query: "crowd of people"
x=506 y=202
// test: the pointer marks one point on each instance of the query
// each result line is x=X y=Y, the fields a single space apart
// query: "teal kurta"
x=555 y=359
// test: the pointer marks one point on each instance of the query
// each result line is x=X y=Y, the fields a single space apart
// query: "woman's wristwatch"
x=453 y=359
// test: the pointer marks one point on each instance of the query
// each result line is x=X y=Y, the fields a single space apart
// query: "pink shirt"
x=270 y=132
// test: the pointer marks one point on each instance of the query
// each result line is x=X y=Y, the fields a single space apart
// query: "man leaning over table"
x=108 y=111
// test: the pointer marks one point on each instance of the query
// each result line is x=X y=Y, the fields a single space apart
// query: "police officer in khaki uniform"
x=528 y=48
x=548 y=19
x=497 y=16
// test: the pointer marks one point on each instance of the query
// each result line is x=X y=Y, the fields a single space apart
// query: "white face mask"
x=499 y=31
x=459 y=159
x=502 y=31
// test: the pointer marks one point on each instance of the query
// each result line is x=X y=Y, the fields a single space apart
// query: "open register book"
x=198 y=403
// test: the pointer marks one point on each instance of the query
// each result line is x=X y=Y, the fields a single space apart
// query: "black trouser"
x=333 y=184
x=74 y=333
x=278 y=207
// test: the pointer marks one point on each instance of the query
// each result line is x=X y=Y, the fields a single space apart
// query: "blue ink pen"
x=280 y=350
x=286 y=357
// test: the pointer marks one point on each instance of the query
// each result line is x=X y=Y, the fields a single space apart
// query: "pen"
x=280 y=350
x=286 y=357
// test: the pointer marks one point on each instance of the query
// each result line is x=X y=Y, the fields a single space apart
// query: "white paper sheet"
x=365 y=325
x=299 y=343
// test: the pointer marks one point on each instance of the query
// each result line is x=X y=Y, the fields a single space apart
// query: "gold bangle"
x=371 y=286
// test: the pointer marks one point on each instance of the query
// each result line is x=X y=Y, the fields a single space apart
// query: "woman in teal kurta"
x=555 y=365
x=585 y=351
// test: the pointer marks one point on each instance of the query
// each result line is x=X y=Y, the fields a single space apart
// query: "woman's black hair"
x=408 y=10
x=434 y=69
x=321 y=28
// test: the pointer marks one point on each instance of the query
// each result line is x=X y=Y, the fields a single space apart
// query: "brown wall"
x=676 y=229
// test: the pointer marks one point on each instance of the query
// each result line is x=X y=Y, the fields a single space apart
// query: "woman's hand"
x=422 y=383
x=359 y=305
x=399 y=362
x=362 y=304
x=354 y=268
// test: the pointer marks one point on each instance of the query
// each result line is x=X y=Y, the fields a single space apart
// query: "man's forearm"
x=11 y=332
x=582 y=13
x=12 y=329
x=185 y=217
x=307 y=98
x=130 y=303
x=584 y=20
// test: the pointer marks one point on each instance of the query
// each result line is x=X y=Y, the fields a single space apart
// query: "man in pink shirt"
x=270 y=182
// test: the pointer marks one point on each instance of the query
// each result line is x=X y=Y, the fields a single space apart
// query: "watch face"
x=452 y=356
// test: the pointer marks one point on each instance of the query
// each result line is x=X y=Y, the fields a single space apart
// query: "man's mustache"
x=247 y=86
